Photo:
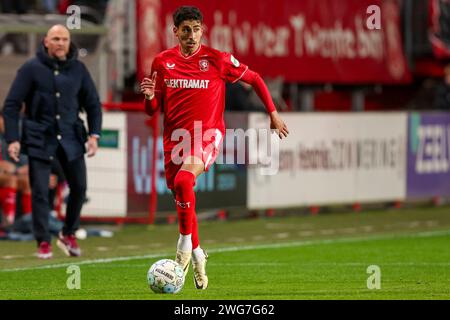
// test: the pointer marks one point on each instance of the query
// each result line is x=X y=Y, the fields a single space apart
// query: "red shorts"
x=207 y=151
x=3 y=194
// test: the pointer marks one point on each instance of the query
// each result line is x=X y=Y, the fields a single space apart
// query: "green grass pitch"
x=301 y=257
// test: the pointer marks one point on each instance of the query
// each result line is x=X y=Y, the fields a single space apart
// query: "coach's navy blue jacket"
x=54 y=93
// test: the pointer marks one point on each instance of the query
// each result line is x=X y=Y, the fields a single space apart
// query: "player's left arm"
x=255 y=80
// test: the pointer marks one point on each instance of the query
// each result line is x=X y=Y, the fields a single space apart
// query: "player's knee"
x=23 y=171
x=23 y=179
x=12 y=182
x=7 y=167
x=184 y=180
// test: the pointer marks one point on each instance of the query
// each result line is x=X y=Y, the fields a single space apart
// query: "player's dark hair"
x=184 y=13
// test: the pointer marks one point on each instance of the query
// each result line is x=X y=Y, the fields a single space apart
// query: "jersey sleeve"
x=233 y=70
x=156 y=67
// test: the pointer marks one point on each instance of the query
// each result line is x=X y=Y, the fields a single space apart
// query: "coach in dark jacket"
x=55 y=88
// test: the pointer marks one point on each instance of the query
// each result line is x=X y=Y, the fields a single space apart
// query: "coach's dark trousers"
x=39 y=172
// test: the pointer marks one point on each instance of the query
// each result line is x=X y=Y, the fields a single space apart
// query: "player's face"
x=189 y=34
x=57 y=43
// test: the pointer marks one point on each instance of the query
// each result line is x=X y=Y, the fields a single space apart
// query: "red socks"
x=26 y=203
x=8 y=199
x=185 y=202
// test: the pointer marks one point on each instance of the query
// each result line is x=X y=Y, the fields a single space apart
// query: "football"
x=165 y=276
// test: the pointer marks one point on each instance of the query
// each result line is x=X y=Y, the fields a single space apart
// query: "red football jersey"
x=192 y=88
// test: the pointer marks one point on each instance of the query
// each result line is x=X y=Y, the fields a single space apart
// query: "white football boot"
x=200 y=277
x=183 y=258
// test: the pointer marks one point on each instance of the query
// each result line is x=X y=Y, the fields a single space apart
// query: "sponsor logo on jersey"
x=187 y=83
x=170 y=65
x=234 y=61
x=204 y=65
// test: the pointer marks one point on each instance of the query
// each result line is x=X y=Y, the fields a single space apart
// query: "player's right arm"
x=150 y=87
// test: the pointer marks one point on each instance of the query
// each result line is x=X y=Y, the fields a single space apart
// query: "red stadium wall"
x=302 y=41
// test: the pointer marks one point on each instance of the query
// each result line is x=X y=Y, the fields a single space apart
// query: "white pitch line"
x=102 y=249
x=242 y=248
x=367 y=228
x=11 y=257
x=327 y=231
x=306 y=233
x=431 y=223
x=131 y=247
x=95 y=261
x=347 y=230
x=258 y=238
x=282 y=235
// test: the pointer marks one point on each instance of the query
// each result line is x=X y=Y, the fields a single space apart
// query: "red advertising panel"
x=311 y=41
x=439 y=17
x=147 y=35
x=139 y=165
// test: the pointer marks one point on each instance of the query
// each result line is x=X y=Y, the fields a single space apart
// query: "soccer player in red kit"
x=188 y=85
